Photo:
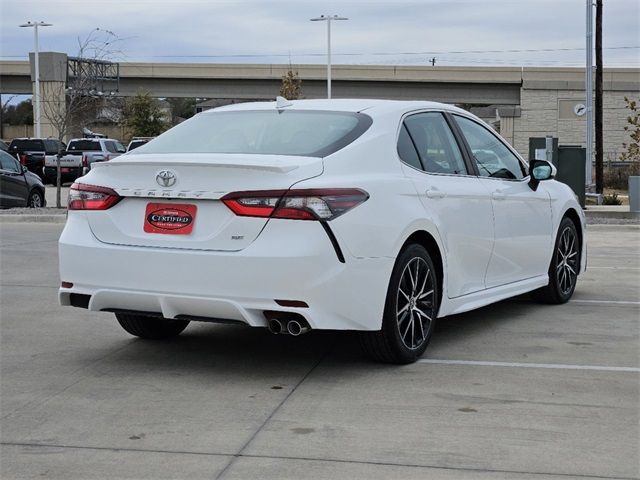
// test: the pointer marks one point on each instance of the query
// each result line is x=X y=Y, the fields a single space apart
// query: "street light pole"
x=328 y=19
x=588 y=82
x=35 y=26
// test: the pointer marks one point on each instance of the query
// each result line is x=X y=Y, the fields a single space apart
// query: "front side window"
x=111 y=147
x=8 y=163
x=493 y=158
x=436 y=145
x=263 y=132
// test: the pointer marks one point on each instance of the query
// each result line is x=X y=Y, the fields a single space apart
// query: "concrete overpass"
x=479 y=85
x=533 y=101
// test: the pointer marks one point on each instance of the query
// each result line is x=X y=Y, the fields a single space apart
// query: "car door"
x=453 y=198
x=522 y=216
x=13 y=186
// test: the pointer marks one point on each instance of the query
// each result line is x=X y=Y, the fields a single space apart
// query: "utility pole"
x=588 y=84
x=35 y=26
x=328 y=19
x=599 y=99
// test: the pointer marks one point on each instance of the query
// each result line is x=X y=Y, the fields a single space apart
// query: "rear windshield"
x=83 y=146
x=26 y=145
x=136 y=144
x=264 y=132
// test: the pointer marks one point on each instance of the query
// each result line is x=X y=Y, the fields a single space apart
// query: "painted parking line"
x=606 y=302
x=555 y=366
x=612 y=268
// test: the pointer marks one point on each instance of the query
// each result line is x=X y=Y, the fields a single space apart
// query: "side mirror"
x=540 y=170
x=24 y=168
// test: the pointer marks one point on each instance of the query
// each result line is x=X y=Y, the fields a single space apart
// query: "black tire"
x=152 y=328
x=390 y=344
x=564 y=267
x=36 y=199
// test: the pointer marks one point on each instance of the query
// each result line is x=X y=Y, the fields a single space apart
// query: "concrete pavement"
x=79 y=398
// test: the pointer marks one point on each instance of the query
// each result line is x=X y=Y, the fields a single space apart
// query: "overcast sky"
x=456 y=32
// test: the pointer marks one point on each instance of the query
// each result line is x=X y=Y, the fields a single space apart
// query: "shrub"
x=618 y=177
x=611 y=199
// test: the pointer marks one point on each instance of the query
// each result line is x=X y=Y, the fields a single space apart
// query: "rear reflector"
x=304 y=204
x=91 y=197
x=66 y=284
x=292 y=303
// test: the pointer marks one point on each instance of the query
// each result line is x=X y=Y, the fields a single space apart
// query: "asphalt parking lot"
x=512 y=391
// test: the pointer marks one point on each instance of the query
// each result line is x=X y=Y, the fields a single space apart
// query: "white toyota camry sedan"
x=369 y=215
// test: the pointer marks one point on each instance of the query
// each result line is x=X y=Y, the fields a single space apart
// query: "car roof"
x=92 y=139
x=343 y=104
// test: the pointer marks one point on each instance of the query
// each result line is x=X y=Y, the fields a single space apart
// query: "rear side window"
x=264 y=132
x=84 y=146
x=406 y=150
x=29 y=145
x=436 y=144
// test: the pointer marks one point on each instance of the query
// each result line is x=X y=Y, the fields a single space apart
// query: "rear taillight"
x=91 y=197
x=23 y=159
x=85 y=161
x=308 y=204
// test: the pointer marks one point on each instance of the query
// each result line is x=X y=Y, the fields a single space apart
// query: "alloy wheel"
x=415 y=303
x=567 y=261
x=36 y=200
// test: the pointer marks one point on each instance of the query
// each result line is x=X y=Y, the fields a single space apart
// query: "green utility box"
x=568 y=159
x=571 y=169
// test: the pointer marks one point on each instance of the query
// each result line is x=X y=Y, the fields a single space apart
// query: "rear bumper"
x=290 y=260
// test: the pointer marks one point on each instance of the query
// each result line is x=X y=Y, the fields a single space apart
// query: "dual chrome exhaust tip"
x=286 y=326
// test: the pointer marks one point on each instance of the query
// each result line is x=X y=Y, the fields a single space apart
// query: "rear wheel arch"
x=425 y=239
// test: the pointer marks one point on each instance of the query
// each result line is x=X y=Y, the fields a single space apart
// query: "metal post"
x=589 y=91
x=36 y=56
x=37 y=66
x=329 y=57
x=548 y=144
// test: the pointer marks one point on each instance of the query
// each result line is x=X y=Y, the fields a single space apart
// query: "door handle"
x=435 y=193
x=498 y=195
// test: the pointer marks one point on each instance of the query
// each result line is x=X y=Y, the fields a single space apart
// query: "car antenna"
x=282 y=102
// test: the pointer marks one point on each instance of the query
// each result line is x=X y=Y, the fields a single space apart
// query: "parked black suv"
x=31 y=152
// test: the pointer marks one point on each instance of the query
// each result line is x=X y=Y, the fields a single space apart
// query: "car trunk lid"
x=185 y=181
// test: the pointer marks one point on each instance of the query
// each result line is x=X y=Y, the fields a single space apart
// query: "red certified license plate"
x=171 y=218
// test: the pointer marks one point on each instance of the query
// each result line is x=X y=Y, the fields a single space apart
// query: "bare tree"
x=70 y=105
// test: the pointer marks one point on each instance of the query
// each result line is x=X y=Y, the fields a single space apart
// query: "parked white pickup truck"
x=81 y=153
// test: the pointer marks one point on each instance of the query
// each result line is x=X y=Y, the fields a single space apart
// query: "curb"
x=626 y=215
x=32 y=218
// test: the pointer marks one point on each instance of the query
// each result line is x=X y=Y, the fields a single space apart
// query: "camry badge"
x=166 y=178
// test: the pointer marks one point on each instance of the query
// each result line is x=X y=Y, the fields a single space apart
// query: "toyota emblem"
x=166 y=178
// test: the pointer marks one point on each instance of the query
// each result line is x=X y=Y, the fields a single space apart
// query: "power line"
x=361 y=54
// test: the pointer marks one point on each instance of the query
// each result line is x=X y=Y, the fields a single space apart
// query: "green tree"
x=632 y=149
x=143 y=116
x=181 y=108
x=19 y=114
x=291 y=87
